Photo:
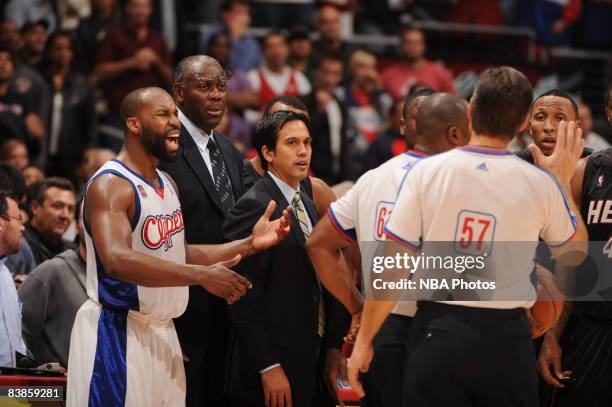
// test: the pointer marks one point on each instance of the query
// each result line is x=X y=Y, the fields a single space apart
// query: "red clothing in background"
x=399 y=78
x=121 y=43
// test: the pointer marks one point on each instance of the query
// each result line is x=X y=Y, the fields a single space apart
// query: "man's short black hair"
x=411 y=96
x=6 y=49
x=502 y=98
x=37 y=191
x=228 y=5
x=562 y=94
x=3 y=202
x=285 y=100
x=273 y=33
x=12 y=180
x=267 y=129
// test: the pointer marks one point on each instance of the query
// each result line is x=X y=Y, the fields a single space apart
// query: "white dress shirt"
x=200 y=138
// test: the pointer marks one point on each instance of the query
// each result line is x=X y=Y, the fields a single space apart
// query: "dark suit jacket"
x=277 y=320
x=203 y=220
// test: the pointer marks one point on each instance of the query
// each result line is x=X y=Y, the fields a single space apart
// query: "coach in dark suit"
x=280 y=324
x=208 y=174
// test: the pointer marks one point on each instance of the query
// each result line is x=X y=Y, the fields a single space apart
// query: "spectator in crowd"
x=9 y=35
x=593 y=140
x=15 y=152
x=300 y=53
x=32 y=174
x=12 y=181
x=24 y=11
x=52 y=205
x=34 y=38
x=551 y=19
x=132 y=56
x=93 y=158
x=367 y=103
x=72 y=124
x=275 y=77
x=51 y=296
x=20 y=103
x=240 y=93
x=332 y=159
x=330 y=41
x=11 y=230
x=236 y=129
x=283 y=13
x=414 y=67
x=70 y=12
x=390 y=143
x=244 y=48
x=400 y=135
x=92 y=31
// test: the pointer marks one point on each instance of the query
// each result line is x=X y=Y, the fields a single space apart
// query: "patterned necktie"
x=220 y=177
x=301 y=215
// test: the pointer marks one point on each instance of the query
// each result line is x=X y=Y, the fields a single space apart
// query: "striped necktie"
x=301 y=215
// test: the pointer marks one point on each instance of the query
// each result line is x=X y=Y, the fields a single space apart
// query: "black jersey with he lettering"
x=596 y=210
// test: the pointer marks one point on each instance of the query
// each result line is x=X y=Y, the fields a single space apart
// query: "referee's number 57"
x=475 y=231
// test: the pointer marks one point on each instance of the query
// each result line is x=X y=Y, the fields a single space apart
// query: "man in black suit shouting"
x=208 y=174
x=280 y=324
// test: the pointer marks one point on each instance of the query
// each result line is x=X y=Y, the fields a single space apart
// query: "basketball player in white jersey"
x=480 y=353
x=441 y=124
x=124 y=350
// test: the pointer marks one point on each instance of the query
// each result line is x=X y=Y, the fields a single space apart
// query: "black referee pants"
x=470 y=357
x=383 y=381
x=587 y=352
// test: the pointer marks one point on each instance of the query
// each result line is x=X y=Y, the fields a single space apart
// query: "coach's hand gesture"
x=223 y=282
x=276 y=388
x=562 y=162
x=268 y=233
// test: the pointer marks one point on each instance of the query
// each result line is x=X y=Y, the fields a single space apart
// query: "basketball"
x=548 y=307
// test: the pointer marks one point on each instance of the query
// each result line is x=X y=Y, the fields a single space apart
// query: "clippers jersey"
x=483 y=198
x=157 y=230
x=362 y=213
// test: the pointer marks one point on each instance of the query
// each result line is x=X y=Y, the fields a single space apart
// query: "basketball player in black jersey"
x=576 y=355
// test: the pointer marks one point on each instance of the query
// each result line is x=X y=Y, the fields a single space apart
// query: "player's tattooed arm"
x=109 y=209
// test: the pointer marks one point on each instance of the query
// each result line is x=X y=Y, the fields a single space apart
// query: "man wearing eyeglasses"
x=207 y=172
x=11 y=230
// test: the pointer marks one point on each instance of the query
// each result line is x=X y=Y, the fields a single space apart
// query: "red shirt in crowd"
x=121 y=43
x=399 y=78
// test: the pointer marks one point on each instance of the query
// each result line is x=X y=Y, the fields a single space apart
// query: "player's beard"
x=155 y=144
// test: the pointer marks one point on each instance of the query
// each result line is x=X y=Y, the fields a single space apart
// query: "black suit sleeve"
x=338 y=321
x=247 y=313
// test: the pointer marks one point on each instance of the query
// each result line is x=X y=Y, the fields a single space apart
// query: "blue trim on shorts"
x=109 y=377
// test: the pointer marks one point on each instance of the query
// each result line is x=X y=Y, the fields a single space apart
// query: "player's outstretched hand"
x=219 y=280
x=562 y=162
x=268 y=233
x=359 y=362
x=549 y=361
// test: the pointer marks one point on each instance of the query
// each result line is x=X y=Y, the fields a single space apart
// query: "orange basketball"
x=548 y=307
